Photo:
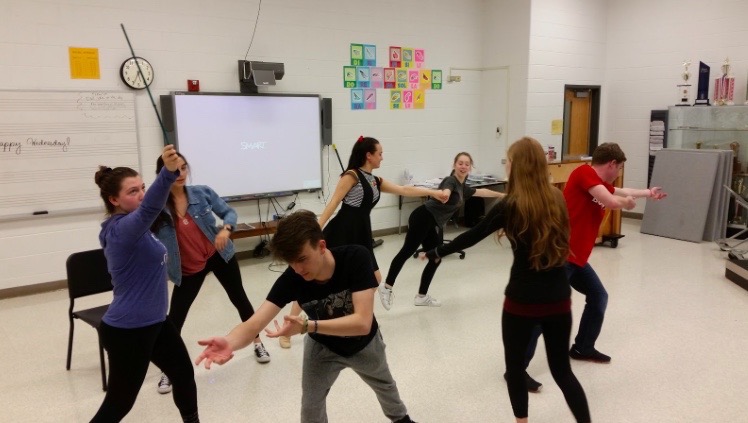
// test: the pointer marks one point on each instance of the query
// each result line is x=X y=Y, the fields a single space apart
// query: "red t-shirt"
x=585 y=212
x=194 y=247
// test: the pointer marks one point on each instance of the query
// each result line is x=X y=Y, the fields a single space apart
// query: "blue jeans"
x=584 y=280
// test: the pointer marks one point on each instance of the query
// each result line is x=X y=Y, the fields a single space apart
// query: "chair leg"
x=70 y=345
x=103 y=364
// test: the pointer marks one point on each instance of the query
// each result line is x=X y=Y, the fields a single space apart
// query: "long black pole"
x=147 y=88
x=342 y=168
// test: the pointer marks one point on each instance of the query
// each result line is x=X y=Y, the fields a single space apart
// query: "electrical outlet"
x=454 y=78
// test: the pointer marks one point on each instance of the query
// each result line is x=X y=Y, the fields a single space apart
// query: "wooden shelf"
x=260 y=228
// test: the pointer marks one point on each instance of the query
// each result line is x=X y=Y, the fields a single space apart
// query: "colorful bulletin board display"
x=406 y=77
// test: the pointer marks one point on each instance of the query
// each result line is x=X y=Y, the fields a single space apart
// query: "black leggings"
x=516 y=332
x=228 y=275
x=130 y=351
x=422 y=230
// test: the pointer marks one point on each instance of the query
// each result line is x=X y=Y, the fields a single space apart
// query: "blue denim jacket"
x=203 y=202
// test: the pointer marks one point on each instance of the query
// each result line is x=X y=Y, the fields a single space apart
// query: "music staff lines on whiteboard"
x=58 y=197
x=61 y=103
x=66 y=128
x=49 y=175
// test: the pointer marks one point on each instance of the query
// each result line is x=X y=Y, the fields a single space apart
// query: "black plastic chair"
x=88 y=275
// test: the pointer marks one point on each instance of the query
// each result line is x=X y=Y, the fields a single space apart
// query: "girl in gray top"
x=426 y=228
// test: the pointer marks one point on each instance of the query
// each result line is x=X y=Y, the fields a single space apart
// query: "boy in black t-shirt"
x=335 y=287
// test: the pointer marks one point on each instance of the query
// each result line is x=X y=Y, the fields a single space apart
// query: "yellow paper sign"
x=557 y=127
x=84 y=63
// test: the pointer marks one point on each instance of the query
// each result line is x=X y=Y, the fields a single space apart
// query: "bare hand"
x=291 y=326
x=170 y=157
x=442 y=195
x=422 y=256
x=222 y=239
x=657 y=193
x=217 y=350
x=630 y=203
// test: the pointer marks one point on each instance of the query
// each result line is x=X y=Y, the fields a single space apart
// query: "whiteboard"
x=51 y=144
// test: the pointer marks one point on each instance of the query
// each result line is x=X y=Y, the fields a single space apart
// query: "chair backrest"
x=88 y=273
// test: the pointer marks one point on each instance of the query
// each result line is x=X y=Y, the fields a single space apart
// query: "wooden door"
x=580 y=115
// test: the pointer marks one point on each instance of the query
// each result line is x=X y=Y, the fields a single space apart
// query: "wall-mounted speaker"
x=326 y=121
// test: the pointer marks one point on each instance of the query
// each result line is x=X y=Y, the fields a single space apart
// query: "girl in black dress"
x=358 y=189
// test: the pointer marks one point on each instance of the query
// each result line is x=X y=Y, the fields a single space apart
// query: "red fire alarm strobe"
x=193 y=85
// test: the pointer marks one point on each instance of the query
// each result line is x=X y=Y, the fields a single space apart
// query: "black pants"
x=228 y=275
x=516 y=333
x=130 y=351
x=422 y=230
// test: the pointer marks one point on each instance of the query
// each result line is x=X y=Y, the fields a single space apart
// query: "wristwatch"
x=228 y=228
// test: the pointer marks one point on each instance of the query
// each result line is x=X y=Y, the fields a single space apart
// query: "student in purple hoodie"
x=135 y=329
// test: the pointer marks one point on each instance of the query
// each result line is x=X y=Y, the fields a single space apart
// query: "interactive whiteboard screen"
x=246 y=146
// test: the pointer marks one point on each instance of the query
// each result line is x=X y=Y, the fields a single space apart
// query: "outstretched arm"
x=356 y=324
x=411 y=191
x=493 y=221
x=654 y=193
x=488 y=193
x=220 y=349
x=610 y=201
x=346 y=182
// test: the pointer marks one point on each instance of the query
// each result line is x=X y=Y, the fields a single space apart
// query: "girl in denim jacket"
x=196 y=246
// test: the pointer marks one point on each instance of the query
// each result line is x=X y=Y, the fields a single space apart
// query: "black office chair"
x=88 y=275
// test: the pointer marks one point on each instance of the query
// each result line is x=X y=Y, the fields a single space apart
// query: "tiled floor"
x=676 y=328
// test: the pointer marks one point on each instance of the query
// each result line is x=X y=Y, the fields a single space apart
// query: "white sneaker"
x=386 y=295
x=164 y=384
x=261 y=354
x=426 y=300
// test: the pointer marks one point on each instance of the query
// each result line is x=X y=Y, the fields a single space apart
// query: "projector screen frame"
x=169 y=113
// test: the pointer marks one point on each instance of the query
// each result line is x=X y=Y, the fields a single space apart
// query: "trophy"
x=724 y=86
x=684 y=89
x=702 y=92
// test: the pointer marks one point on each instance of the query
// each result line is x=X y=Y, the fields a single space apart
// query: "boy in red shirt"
x=588 y=192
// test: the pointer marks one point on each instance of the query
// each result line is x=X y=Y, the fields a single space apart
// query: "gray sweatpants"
x=322 y=367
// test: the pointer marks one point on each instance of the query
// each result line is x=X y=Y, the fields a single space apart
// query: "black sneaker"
x=532 y=385
x=261 y=354
x=595 y=356
x=405 y=419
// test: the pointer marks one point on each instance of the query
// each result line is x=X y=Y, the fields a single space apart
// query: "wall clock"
x=130 y=75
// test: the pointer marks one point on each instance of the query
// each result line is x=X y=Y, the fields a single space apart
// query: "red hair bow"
x=360 y=138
